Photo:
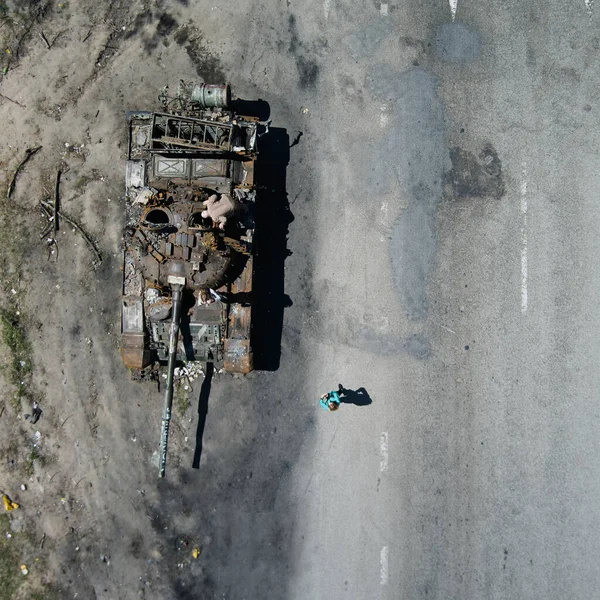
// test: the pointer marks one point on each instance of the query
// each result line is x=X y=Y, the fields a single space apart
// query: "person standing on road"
x=331 y=401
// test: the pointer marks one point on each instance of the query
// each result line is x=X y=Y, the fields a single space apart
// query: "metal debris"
x=8 y=503
x=191 y=371
x=36 y=413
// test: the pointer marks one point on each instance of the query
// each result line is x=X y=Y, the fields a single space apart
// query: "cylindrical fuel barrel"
x=211 y=96
x=173 y=337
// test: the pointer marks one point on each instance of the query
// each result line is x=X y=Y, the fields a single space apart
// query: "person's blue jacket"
x=331 y=397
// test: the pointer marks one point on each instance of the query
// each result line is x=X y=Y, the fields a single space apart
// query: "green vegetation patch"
x=34 y=454
x=11 y=577
x=19 y=365
x=16 y=550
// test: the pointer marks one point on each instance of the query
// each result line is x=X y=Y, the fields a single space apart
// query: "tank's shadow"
x=252 y=108
x=273 y=217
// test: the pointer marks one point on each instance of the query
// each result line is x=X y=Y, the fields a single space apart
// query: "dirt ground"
x=70 y=71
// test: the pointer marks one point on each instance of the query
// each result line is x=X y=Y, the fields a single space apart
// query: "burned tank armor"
x=188 y=240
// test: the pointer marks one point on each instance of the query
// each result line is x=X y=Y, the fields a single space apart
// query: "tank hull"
x=189 y=202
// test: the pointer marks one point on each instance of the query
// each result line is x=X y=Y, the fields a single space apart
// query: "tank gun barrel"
x=177 y=285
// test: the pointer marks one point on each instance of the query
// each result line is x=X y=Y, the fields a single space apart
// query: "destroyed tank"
x=188 y=253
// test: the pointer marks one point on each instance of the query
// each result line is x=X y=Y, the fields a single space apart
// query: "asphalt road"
x=444 y=258
x=430 y=221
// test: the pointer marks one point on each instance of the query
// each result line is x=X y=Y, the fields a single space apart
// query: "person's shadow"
x=358 y=397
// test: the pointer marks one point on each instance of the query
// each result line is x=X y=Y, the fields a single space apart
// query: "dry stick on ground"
x=51 y=241
x=55 y=214
x=50 y=44
x=22 y=39
x=87 y=35
x=66 y=419
x=48 y=215
x=77 y=226
x=43 y=36
x=28 y=154
x=13 y=101
x=57 y=36
x=46 y=231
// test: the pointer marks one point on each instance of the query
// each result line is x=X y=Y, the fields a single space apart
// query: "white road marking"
x=383 y=122
x=383 y=451
x=383 y=565
x=589 y=4
x=453 y=7
x=444 y=327
x=383 y=117
x=384 y=212
x=326 y=8
x=384 y=324
x=383 y=9
x=524 y=272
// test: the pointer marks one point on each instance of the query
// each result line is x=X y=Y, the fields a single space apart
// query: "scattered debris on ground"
x=53 y=213
x=8 y=503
